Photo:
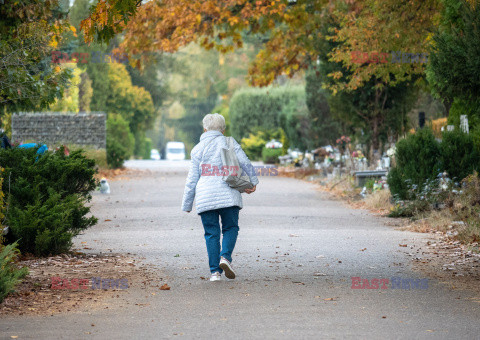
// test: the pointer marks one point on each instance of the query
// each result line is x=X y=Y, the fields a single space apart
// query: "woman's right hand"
x=249 y=191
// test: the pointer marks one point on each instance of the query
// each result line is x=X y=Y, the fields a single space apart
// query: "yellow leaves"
x=233 y=21
x=336 y=75
x=57 y=69
x=199 y=18
x=53 y=42
x=73 y=29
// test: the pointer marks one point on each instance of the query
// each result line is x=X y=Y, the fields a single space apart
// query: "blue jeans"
x=212 y=234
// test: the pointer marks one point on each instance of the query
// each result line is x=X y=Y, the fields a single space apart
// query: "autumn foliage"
x=289 y=29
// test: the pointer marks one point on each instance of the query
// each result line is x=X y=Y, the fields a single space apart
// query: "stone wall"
x=86 y=129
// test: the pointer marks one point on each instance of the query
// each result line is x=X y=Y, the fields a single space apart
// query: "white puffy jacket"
x=211 y=192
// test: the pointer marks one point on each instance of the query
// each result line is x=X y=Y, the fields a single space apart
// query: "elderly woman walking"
x=214 y=197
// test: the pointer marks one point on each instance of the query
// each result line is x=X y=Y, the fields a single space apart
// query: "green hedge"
x=270 y=156
x=460 y=154
x=46 y=197
x=120 y=141
x=254 y=109
x=417 y=159
x=420 y=157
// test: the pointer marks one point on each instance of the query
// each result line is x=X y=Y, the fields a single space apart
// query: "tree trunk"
x=448 y=105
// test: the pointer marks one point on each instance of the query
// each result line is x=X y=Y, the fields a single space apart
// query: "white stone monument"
x=464 y=123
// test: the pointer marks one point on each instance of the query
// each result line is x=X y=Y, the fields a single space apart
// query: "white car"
x=155 y=155
x=175 y=151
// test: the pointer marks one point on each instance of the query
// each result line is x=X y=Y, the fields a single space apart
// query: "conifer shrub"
x=46 y=197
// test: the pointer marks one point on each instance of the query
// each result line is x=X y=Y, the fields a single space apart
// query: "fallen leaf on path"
x=292 y=235
x=363 y=249
x=107 y=220
x=330 y=299
x=402 y=245
x=165 y=287
x=14 y=336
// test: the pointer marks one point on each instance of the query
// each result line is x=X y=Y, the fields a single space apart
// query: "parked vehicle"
x=155 y=155
x=175 y=151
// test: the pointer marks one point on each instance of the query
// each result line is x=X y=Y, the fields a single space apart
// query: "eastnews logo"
x=260 y=170
x=400 y=57
x=93 y=283
x=396 y=283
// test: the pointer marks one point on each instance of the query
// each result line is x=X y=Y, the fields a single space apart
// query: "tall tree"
x=372 y=35
x=29 y=32
x=454 y=52
x=375 y=108
x=85 y=92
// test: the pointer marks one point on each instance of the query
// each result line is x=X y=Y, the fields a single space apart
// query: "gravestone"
x=464 y=123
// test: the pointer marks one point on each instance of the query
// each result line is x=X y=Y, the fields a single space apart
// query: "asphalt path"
x=296 y=254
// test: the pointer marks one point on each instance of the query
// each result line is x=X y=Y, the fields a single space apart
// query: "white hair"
x=214 y=121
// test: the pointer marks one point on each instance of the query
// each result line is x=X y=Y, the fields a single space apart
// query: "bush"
x=420 y=158
x=254 y=144
x=46 y=197
x=147 y=149
x=462 y=107
x=120 y=141
x=417 y=160
x=47 y=227
x=32 y=176
x=460 y=155
x=253 y=108
x=270 y=156
x=466 y=208
x=421 y=199
x=10 y=275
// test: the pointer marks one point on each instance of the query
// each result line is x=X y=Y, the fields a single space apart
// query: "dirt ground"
x=42 y=293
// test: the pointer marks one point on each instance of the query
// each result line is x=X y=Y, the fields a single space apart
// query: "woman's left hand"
x=249 y=191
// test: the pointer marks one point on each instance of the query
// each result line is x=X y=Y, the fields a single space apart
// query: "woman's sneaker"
x=227 y=268
x=216 y=277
